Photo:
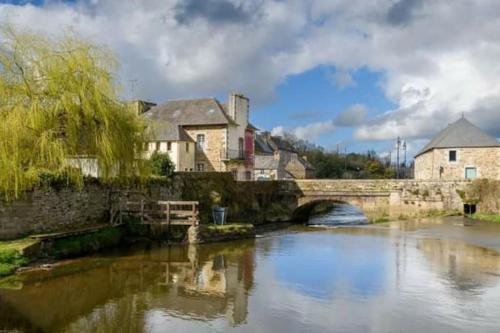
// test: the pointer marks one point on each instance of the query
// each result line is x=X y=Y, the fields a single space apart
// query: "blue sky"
x=313 y=96
x=355 y=72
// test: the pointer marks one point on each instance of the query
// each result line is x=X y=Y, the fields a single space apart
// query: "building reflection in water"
x=110 y=293
x=464 y=266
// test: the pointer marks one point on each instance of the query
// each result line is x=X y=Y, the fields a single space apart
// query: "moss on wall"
x=485 y=193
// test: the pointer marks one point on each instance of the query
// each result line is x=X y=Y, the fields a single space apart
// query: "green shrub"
x=161 y=165
x=10 y=260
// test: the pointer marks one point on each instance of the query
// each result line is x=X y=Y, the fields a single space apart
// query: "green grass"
x=11 y=257
x=486 y=217
x=229 y=228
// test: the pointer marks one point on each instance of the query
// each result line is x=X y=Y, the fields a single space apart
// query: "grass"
x=11 y=257
x=229 y=228
x=486 y=217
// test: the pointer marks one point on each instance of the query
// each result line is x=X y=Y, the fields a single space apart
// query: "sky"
x=354 y=74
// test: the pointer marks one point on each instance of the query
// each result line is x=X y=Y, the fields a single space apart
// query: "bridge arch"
x=372 y=206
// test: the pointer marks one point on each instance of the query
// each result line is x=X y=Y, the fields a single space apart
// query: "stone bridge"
x=383 y=198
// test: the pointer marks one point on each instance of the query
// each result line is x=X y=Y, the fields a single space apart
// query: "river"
x=434 y=275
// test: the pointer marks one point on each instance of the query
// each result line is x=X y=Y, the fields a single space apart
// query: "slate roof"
x=261 y=145
x=267 y=144
x=461 y=134
x=267 y=162
x=162 y=130
x=206 y=111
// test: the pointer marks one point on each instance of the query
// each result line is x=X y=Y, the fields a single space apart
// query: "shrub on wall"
x=161 y=165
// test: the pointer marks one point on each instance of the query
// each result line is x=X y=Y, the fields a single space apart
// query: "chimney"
x=237 y=108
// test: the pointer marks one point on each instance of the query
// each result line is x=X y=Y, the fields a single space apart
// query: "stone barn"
x=460 y=151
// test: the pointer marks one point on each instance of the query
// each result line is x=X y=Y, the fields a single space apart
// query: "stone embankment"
x=47 y=209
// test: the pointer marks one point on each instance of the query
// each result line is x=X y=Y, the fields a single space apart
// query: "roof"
x=167 y=131
x=206 y=111
x=262 y=146
x=266 y=162
x=267 y=144
x=461 y=134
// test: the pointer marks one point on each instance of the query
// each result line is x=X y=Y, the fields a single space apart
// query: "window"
x=200 y=167
x=248 y=175
x=234 y=172
x=169 y=146
x=241 y=144
x=200 y=142
x=470 y=173
x=452 y=157
x=187 y=147
x=158 y=144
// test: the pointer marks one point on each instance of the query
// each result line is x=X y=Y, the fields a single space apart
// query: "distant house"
x=460 y=151
x=204 y=134
x=275 y=158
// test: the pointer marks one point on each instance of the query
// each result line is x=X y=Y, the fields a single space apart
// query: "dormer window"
x=452 y=156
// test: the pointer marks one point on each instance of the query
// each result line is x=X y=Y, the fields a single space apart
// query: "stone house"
x=275 y=158
x=204 y=135
x=460 y=151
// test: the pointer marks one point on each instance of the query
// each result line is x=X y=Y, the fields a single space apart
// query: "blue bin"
x=219 y=215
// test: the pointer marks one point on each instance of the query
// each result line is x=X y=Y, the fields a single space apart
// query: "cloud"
x=221 y=11
x=434 y=67
x=402 y=11
x=307 y=132
x=352 y=117
x=342 y=79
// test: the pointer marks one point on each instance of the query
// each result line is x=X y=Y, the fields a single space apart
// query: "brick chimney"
x=238 y=108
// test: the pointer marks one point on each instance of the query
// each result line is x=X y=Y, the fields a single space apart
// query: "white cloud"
x=439 y=58
x=342 y=79
x=307 y=132
x=353 y=116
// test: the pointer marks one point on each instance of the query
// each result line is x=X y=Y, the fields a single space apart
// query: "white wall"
x=183 y=161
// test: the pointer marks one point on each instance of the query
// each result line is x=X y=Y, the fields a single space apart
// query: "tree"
x=58 y=102
x=161 y=165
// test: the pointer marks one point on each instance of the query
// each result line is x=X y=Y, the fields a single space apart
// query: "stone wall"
x=49 y=209
x=215 y=138
x=386 y=198
x=435 y=164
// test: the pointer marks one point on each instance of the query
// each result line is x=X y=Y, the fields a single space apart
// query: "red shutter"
x=249 y=160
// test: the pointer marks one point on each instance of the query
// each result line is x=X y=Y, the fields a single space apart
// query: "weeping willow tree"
x=59 y=105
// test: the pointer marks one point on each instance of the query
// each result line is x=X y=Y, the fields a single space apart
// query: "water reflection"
x=465 y=267
x=107 y=294
x=399 y=277
x=340 y=214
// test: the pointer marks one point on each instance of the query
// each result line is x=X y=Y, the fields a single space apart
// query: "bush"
x=161 y=165
x=10 y=260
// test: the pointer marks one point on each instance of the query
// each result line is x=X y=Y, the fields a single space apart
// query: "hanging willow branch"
x=58 y=101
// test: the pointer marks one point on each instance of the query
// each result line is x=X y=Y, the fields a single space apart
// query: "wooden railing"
x=161 y=212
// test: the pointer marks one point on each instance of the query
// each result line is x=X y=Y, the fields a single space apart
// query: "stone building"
x=205 y=135
x=460 y=151
x=275 y=158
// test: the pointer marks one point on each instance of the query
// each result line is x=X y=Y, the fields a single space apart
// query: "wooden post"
x=142 y=211
x=168 y=213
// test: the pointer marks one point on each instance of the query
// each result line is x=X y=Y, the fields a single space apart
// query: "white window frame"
x=457 y=157
x=200 y=167
x=204 y=145
x=471 y=167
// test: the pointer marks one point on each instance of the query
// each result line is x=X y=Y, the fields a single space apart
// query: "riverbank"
x=49 y=249
x=486 y=217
